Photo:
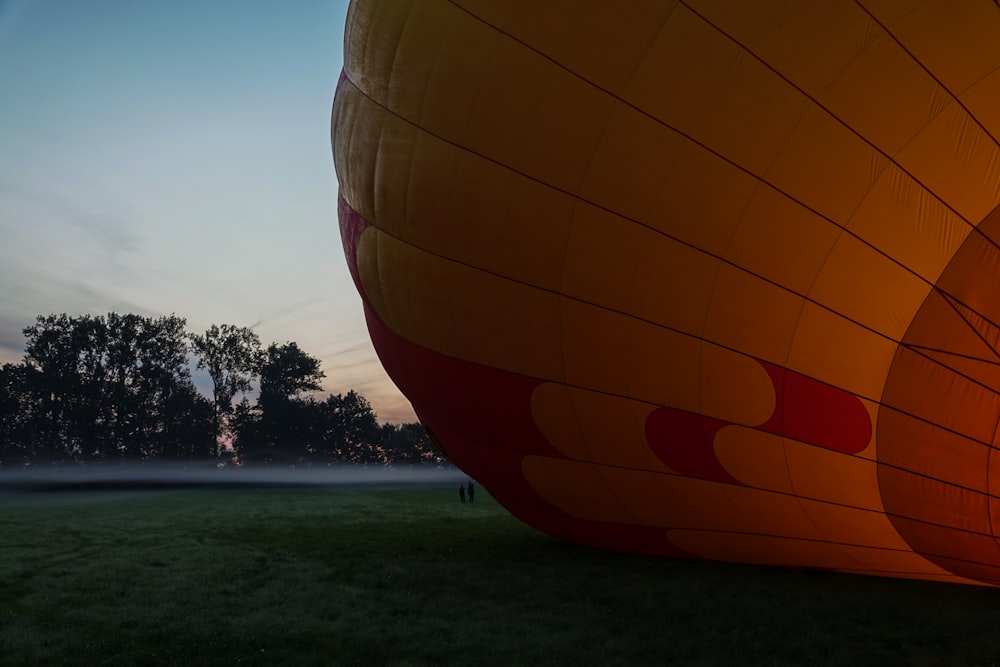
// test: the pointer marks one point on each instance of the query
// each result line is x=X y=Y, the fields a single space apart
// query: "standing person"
x=472 y=492
x=461 y=493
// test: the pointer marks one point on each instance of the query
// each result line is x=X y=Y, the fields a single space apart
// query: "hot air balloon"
x=706 y=279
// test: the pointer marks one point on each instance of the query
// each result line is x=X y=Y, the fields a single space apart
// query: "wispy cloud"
x=58 y=255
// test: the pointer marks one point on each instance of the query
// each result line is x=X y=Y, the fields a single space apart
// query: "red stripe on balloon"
x=351 y=227
x=685 y=441
x=805 y=410
x=816 y=413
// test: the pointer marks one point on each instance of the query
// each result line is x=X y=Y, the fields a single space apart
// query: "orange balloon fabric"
x=711 y=279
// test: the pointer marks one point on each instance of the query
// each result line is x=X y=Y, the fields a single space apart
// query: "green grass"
x=411 y=577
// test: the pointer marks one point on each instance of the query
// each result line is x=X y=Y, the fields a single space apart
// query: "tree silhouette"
x=284 y=423
x=96 y=388
x=232 y=356
x=99 y=389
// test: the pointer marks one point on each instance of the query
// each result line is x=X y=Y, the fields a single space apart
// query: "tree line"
x=116 y=388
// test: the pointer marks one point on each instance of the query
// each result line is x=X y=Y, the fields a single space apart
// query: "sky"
x=173 y=157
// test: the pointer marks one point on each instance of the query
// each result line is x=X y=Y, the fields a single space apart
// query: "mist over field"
x=160 y=474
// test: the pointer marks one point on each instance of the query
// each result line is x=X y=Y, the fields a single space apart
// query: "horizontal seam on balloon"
x=925 y=554
x=648 y=226
x=844 y=123
x=703 y=146
x=672 y=473
x=659 y=325
x=974 y=228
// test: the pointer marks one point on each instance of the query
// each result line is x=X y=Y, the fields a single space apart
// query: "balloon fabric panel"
x=704 y=279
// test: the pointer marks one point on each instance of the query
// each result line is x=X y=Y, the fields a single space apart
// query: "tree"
x=109 y=387
x=284 y=424
x=351 y=431
x=232 y=356
x=409 y=443
x=287 y=372
x=16 y=415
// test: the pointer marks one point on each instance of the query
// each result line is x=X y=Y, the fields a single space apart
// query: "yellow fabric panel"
x=595 y=347
x=429 y=166
x=673 y=283
x=459 y=310
x=438 y=49
x=578 y=489
x=601 y=254
x=849 y=525
x=756 y=458
x=833 y=477
x=752 y=114
x=539 y=25
x=958 y=47
x=826 y=167
x=657 y=499
x=568 y=32
x=751 y=315
x=553 y=413
x=766 y=549
x=798 y=553
x=839 y=352
x=690 y=209
x=865 y=286
x=441 y=218
x=370 y=27
x=631 y=27
x=567 y=125
x=614 y=263
x=885 y=96
x=954 y=158
x=504 y=102
x=780 y=32
x=734 y=387
x=654 y=499
x=900 y=218
x=485 y=199
x=981 y=100
x=664 y=366
x=358 y=124
x=626 y=172
x=553 y=133
x=677 y=501
x=666 y=86
x=782 y=241
x=768 y=513
x=889 y=12
x=619 y=355
x=591 y=426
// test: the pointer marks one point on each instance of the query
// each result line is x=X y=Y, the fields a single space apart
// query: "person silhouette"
x=472 y=493
x=461 y=493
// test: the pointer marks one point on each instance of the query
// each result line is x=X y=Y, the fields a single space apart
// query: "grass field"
x=326 y=576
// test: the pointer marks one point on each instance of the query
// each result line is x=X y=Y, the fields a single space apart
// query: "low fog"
x=209 y=474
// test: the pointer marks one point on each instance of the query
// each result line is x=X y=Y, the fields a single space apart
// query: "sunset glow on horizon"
x=174 y=158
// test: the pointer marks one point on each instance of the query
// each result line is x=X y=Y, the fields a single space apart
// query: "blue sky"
x=173 y=156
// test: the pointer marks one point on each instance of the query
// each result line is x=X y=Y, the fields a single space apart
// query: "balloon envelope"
x=709 y=279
